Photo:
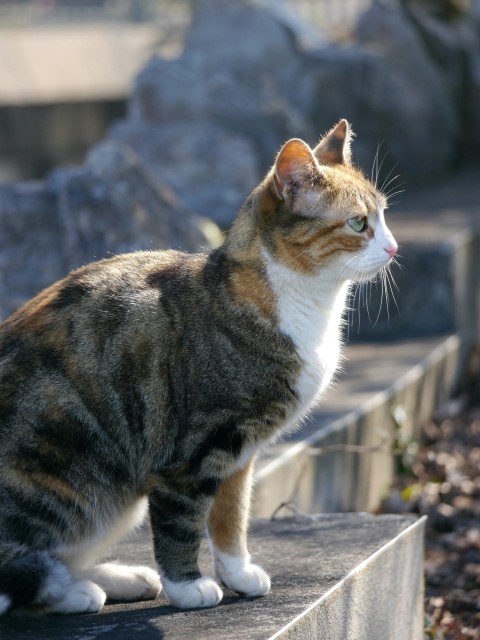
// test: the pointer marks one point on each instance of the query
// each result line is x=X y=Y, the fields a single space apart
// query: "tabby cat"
x=147 y=383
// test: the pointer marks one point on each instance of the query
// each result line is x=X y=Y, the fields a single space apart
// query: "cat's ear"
x=334 y=148
x=294 y=164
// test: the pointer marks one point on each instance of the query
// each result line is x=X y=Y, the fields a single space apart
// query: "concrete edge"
x=412 y=376
x=420 y=523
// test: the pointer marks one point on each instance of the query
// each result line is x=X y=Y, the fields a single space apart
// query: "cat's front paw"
x=121 y=582
x=240 y=575
x=202 y=592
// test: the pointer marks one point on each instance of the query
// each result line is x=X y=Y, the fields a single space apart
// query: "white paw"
x=82 y=597
x=122 y=582
x=240 y=575
x=202 y=592
x=145 y=583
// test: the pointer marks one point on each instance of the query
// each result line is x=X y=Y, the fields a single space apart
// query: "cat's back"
x=95 y=328
x=103 y=295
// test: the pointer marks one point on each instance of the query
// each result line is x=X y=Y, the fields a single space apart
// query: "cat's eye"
x=358 y=223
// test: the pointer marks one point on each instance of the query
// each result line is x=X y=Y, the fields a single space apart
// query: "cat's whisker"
x=367 y=297
x=360 y=295
x=392 y=276
x=390 y=280
x=375 y=168
x=397 y=263
x=392 y=183
x=380 y=168
x=387 y=295
x=381 y=300
x=373 y=163
x=389 y=180
x=395 y=193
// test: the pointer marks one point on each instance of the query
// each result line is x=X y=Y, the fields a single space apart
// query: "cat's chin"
x=368 y=276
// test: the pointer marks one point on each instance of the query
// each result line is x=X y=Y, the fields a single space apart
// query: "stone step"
x=341 y=460
x=334 y=577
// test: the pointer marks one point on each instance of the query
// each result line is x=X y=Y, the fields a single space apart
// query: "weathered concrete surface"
x=387 y=390
x=337 y=577
x=48 y=64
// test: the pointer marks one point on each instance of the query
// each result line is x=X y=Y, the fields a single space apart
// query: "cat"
x=148 y=382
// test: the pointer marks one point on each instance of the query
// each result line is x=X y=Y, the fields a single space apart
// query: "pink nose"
x=392 y=250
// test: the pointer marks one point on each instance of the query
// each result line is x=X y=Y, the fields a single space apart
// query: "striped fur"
x=157 y=376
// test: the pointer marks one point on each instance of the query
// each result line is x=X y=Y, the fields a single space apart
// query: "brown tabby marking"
x=249 y=287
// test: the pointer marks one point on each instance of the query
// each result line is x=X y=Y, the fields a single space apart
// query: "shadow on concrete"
x=122 y=624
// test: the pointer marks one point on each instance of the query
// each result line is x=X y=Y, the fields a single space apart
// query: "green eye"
x=358 y=223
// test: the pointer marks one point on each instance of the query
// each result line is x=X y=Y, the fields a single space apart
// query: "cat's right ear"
x=295 y=163
x=334 y=148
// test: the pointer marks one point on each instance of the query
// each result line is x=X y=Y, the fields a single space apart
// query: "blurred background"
x=129 y=124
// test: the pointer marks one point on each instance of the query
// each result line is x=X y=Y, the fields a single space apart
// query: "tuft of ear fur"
x=334 y=148
x=294 y=164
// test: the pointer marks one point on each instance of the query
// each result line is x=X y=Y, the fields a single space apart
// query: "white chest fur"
x=310 y=312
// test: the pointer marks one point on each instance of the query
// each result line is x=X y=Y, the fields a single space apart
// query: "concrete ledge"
x=48 y=65
x=388 y=390
x=334 y=577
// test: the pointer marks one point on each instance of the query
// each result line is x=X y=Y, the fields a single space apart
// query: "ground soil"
x=441 y=479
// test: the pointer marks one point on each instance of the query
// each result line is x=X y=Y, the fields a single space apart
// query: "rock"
x=211 y=169
x=31 y=253
x=403 y=99
x=237 y=69
x=235 y=99
x=109 y=205
x=222 y=109
x=451 y=36
x=203 y=129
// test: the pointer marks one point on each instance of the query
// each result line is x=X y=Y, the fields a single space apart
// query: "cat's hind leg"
x=82 y=596
x=227 y=527
x=122 y=582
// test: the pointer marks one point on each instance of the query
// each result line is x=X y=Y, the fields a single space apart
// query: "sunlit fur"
x=158 y=376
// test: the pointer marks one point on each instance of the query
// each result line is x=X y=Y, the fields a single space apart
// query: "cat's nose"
x=392 y=249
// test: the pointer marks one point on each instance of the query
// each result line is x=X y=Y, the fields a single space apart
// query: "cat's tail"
x=32 y=578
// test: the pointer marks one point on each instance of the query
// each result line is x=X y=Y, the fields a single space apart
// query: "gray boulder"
x=202 y=129
x=111 y=204
x=210 y=122
x=237 y=70
x=210 y=168
x=450 y=32
x=404 y=100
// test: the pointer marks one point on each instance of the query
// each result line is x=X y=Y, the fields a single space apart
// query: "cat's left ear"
x=334 y=148
x=294 y=166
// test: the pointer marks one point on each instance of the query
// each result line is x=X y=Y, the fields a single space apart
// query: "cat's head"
x=322 y=213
